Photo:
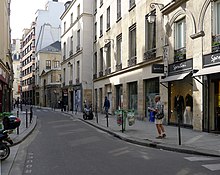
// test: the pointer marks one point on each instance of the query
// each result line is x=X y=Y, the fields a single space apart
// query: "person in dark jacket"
x=106 y=105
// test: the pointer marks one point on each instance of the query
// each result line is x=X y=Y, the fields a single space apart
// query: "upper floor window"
x=48 y=64
x=132 y=41
x=95 y=64
x=108 y=55
x=217 y=16
x=101 y=3
x=95 y=31
x=119 y=49
x=78 y=40
x=78 y=11
x=150 y=35
x=118 y=9
x=180 y=36
x=71 y=18
x=131 y=4
x=56 y=64
x=95 y=5
x=101 y=26
x=101 y=60
x=108 y=18
x=64 y=26
x=64 y=51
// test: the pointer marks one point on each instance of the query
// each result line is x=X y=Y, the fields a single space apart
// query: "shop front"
x=210 y=75
x=180 y=90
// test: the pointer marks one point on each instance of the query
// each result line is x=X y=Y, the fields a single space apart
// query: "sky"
x=23 y=13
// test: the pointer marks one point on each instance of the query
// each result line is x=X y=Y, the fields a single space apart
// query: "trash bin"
x=118 y=114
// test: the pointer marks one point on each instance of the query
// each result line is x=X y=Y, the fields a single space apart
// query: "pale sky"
x=23 y=13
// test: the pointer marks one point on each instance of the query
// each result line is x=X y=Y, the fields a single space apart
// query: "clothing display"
x=189 y=101
x=179 y=106
x=187 y=116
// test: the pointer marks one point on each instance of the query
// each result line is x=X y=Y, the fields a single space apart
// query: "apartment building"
x=6 y=69
x=48 y=76
x=27 y=76
x=77 y=54
x=128 y=56
x=16 y=68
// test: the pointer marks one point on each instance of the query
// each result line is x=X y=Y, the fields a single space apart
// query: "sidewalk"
x=144 y=133
x=25 y=129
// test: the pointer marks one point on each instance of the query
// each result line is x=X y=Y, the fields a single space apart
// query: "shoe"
x=164 y=135
x=159 y=137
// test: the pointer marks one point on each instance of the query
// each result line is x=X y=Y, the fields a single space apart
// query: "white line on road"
x=118 y=150
x=199 y=158
x=212 y=167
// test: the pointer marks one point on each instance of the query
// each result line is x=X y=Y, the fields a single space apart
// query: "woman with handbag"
x=159 y=115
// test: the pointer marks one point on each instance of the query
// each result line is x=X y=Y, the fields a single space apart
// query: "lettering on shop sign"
x=211 y=59
x=180 y=66
x=158 y=68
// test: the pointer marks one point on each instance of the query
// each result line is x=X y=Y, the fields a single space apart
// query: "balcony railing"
x=78 y=48
x=94 y=76
x=77 y=80
x=71 y=53
x=216 y=43
x=132 y=61
x=118 y=67
x=180 y=54
x=70 y=82
x=150 y=54
x=108 y=71
x=100 y=73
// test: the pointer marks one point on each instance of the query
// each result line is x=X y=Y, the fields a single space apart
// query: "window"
x=101 y=26
x=108 y=18
x=64 y=27
x=95 y=64
x=180 y=34
x=108 y=55
x=56 y=64
x=95 y=5
x=132 y=3
x=78 y=40
x=64 y=50
x=118 y=9
x=119 y=49
x=101 y=3
x=71 y=18
x=78 y=70
x=71 y=72
x=78 y=11
x=101 y=60
x=71 y=45
x=217 y=16
x=132 y=41
x=95 y=32
x=150 y=35
x=64 y=75
x=48 y=64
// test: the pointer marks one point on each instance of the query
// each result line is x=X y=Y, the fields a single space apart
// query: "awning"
x=208 y=70
x=175 y=77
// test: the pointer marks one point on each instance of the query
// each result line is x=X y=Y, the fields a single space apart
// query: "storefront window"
x=181 y=101
x=151 y=89
x=133 y=101
x=119 y=97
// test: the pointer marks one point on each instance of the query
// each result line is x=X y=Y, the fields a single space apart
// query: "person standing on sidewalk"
x=106 y=105
x=159 y=121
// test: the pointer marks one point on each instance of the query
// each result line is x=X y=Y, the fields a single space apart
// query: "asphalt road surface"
x=64 y=145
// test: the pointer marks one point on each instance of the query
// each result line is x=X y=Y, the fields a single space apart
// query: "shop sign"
x=211 y=59
x=180 y=66
x=158 y=68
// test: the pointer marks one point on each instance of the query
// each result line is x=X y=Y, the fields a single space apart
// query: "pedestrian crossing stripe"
x=212 y=167
x=198 y=158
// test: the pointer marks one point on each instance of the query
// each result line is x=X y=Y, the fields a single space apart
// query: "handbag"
x=159 y=115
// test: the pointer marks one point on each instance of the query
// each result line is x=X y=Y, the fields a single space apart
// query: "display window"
x=133 y=97
x=181 y=101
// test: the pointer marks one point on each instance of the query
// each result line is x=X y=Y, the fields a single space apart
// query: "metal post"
x=122 y=121
x=31 y=114
x=179 y=132
x=26 y=118
x=17 y=127
x=96 y=114
x=107 y=118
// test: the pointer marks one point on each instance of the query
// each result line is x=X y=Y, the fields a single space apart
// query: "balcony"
x=71 y=53
x=132 y=61
x=180 y=54
x=150 y=54
x=108 y=71
x=216 y=43
x=100 y=73
x=94 y=76
x=64 y=57
x=118 y=67
x=77 y=48
x=71 y=82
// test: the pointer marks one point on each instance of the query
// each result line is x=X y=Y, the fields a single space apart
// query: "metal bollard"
x=31 y=114
x=18 y=127
x=26 y=118
x=107 y=118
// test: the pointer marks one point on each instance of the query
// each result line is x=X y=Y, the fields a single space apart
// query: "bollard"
x=26 y=118
x=31 y=114
x=18 y=127
x=107 y=118
x=122 y=122
x=179 y=132
x=96 y=114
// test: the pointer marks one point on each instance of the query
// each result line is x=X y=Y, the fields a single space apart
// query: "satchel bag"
x=159 y=115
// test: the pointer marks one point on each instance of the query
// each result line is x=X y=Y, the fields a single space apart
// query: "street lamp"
x=106 y=45
x=152 y=15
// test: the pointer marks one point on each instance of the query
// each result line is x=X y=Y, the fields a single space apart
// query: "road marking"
x=64 y=125
x=121 y=153
x=58 y=121
x=85 y=141
x=212 y=167
x=118 y=150
x=192 y=159
x=72 y=131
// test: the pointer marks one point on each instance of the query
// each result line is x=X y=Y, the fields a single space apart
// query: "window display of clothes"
x=179 y=105
x=188 y=111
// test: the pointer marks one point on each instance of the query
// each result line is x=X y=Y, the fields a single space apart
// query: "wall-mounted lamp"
x=152 y=15
x=106 y=45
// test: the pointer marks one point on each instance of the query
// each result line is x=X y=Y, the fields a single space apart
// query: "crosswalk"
x=207 y=162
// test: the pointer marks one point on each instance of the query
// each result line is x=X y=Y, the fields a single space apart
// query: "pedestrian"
x=106 y=105
x=159 y=114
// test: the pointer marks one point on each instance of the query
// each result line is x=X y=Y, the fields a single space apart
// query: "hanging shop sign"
x=158 y=68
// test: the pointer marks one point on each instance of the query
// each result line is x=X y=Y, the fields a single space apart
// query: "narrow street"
x=64 y=145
